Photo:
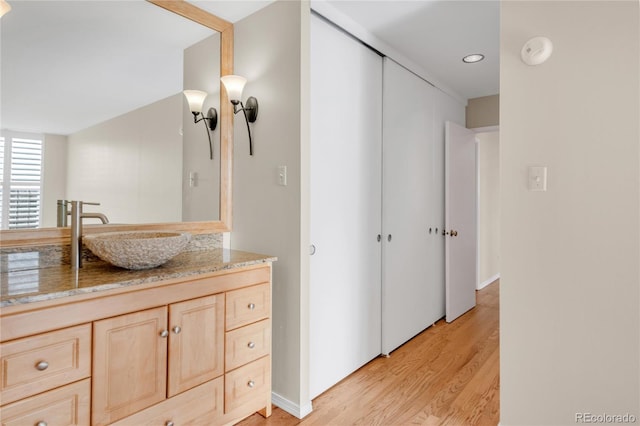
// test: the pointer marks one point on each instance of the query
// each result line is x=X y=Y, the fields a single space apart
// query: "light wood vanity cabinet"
x=180 y=352
x=142 y=358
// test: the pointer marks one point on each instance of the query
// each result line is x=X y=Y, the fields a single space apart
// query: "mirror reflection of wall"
x=200 y=174
x=130 y=162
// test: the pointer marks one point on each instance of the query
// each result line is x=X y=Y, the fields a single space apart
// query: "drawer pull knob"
x=177 y=329
x=169 y=423
x=41 y=423
x=42 y=365
x=164 y=333
x=251 y=345
x=251 y=383
x=251 y=306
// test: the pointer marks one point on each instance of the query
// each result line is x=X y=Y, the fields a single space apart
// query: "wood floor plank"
x=446 y=375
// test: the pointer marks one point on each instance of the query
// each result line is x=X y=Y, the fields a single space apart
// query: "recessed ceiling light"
x=470 y=59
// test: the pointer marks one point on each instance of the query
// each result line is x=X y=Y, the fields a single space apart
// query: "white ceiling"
x=436 y=35
x=66 y=65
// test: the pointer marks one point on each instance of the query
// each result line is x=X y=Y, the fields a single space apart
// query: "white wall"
x=131 y=165
x=201 y=72
x=570 y=323
x=268 y=218
x=54 y=178
x=488 y=207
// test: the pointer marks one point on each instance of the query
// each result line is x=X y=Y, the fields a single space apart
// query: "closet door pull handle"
x=312 y=249
x=379 y=237
x=389 y=238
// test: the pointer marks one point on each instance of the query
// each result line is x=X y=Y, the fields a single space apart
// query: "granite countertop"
x=21 y=284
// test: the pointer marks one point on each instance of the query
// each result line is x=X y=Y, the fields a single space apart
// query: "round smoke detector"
x=536 y=51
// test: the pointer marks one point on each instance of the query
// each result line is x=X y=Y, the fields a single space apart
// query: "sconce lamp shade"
x=234 y=84
x=195 y=98
x=4 y=7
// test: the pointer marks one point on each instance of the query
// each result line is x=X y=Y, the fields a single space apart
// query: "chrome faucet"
x=76 y=229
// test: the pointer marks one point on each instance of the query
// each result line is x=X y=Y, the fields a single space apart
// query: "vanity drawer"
x=68 y=405
x=246 y=344
x=190 y=407
x=247 y=305
x=38 y=363
x=248 y=386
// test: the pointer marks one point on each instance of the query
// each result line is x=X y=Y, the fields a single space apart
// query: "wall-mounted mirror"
x=102 y=83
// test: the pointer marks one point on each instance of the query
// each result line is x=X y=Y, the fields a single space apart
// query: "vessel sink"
x=137 y=249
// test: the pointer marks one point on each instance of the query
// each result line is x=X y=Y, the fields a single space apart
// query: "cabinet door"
x=129 y=364
x=196 y=342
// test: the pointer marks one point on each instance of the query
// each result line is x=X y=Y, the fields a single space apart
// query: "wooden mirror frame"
x=60 y=236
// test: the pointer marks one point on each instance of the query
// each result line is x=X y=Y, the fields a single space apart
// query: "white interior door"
x=346 y=138
x=411 y=299
x=460 y=220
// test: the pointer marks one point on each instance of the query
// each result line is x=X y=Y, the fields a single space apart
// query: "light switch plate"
x=537 y=178
x=282 y=175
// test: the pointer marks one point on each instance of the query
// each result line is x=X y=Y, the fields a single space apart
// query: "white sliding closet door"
x=346 y=119
x=412 y=299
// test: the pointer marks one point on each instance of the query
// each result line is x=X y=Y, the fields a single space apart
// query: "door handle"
x=389 y=238
x=312 y=249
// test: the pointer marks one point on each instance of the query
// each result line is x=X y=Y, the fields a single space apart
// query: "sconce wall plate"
x=252 y=109
x=212 y=118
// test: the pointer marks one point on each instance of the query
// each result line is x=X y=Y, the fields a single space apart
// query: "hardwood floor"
x=447 y=375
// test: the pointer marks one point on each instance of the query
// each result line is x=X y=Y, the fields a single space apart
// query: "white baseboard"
x=485 y=283
x=291 y=408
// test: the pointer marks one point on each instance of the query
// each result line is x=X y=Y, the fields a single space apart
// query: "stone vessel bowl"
x=137 y=249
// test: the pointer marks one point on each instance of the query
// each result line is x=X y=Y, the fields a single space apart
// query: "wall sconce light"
x=4 y=8
x=195 y=98
x=234 y=84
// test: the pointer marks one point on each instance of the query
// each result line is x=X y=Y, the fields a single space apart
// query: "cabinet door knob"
x=177 y=329
x=251 y=345
x=168 y=423
x=389 y=237
x=42 y=365
x=164 y=333
x=251 y=306
x=41 y=423
x=251 y=383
